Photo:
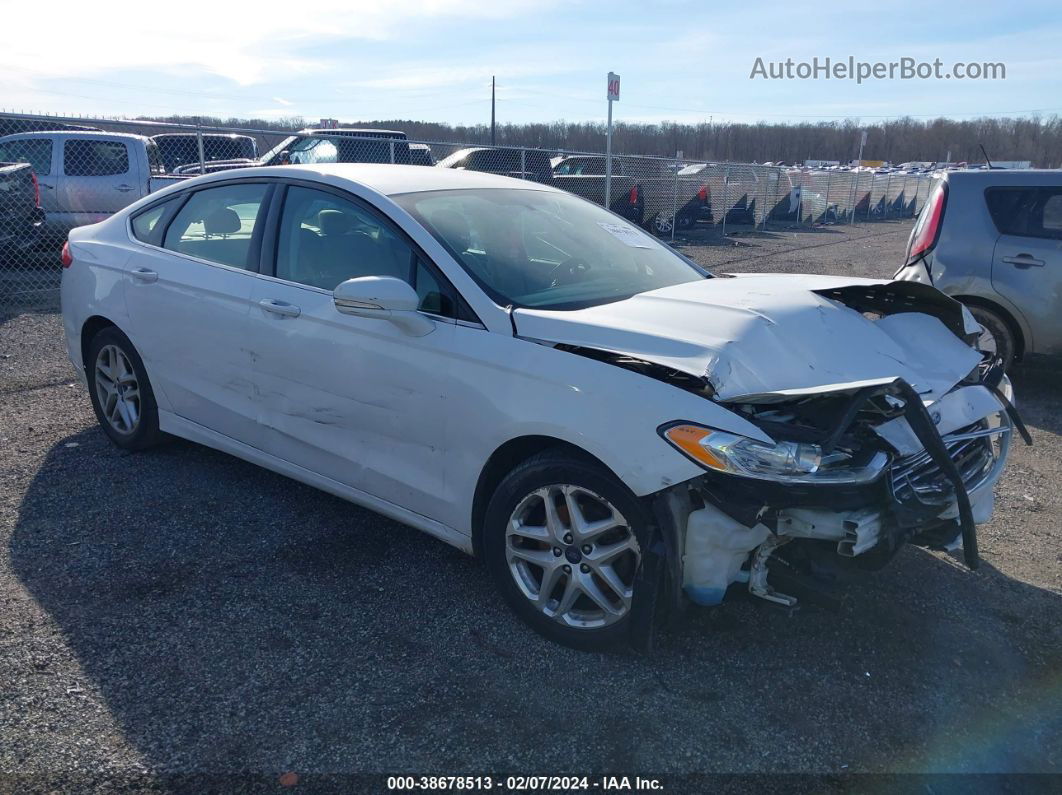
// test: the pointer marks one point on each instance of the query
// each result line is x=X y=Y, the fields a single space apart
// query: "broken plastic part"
x=716 y=547
x=758 y=585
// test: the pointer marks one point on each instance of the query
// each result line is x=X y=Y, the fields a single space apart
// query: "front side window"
x=546 y=249
x=94 y=158
x=325 y=239
x=218 y=224
x=35 y=151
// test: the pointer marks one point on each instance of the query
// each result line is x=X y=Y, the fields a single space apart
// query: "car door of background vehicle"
x=1027 y=261
x=99 y=177
x=40 y=153
x=357 y=400
x=188 y=298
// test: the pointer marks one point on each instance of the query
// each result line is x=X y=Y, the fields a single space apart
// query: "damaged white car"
x=519 y=372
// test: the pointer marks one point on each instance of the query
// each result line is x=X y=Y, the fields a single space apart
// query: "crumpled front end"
x=937 y=465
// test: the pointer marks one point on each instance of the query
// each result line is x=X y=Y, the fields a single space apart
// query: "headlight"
x=789 y=462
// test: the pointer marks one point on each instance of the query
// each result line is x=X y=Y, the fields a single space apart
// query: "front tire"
x=560 y=540
x=120 y=391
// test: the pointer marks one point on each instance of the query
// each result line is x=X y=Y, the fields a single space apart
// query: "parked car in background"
x=520 y=373
x=642 y=190
x=421 y=155
x=212 y=166
x=86 y=176
x=21 y=216
x=339 y=145
x=179 y=149
x=530 y=164
x=993 y=240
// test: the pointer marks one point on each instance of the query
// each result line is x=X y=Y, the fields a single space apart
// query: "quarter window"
x=94 y=158
x=146 y=224
x=218 y=224
x=35 y=151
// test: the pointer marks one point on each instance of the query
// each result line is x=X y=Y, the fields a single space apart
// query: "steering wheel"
x=571 y=270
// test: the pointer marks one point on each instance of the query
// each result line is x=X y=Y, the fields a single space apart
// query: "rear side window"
x=1027 y=212
x=35 y=151
x=218 y=224
x=94 y=158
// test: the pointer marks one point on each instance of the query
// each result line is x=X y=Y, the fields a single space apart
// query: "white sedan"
x=534 y=380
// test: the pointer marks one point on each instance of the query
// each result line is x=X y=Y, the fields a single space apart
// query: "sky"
x=433 y=59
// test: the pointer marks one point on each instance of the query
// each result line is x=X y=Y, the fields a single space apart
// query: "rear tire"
x=120 y=391
x=572 y=582
x=998 y=338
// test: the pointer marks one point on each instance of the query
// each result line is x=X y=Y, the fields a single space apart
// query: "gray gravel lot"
x=180 y=610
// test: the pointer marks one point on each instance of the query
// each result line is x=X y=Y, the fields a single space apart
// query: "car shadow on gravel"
x=234 y=620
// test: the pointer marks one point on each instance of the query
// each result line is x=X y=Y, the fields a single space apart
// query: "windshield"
x=546 y=249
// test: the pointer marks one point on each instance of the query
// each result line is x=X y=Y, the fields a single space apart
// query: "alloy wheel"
x=663 y=222
x=573 y=555
x=117 y=389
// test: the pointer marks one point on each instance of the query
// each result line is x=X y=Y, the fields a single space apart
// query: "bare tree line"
x=896 y=140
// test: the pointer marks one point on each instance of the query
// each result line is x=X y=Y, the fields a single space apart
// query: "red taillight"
x=927 y=229
x=36 y=190
x=634 y=195
x=702 y=194
x=66 y=258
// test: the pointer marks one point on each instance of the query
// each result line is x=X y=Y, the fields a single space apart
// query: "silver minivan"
x=993 y=240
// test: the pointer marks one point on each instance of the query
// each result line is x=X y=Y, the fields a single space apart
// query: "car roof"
x=196 y=135
x=1006 y=176
x=389 y=179
x=361 y=131
x=77 y=134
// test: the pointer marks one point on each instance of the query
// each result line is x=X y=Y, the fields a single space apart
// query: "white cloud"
x=246 y=45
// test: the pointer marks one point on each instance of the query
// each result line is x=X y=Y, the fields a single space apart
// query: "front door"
x=357 y=400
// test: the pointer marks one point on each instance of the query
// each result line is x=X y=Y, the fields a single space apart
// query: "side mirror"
x=383 y=298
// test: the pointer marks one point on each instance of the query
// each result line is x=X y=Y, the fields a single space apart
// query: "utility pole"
x=493 y=132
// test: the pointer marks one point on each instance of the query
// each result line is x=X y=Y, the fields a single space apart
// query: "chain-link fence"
x=60 y=172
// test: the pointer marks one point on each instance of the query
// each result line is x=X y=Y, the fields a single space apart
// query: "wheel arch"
x=507 y=457
x=92 y=326
x=1008 y=318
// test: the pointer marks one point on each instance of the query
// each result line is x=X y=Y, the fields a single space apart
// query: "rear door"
x=99 y=177
x=1027 y=261
x=39 y=152
x=188 y=296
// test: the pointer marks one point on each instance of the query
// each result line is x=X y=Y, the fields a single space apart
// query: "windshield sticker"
x=627 y=235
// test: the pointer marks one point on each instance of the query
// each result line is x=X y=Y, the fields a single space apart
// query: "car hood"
x=764 y=335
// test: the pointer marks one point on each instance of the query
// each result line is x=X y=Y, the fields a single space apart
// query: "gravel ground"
x=180 y=610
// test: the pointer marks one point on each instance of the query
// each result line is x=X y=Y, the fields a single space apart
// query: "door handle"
x=1024 y=261
x=123 y=188
x=145 y=275
x=279 y=307
x=46 y=185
